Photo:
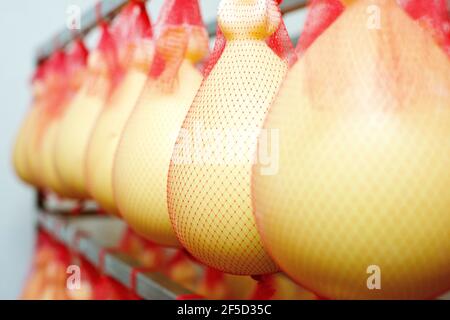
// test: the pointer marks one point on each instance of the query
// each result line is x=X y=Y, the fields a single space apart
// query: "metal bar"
x=292 y=5
x=110 y=8
x=150 y=286
x=286 y=7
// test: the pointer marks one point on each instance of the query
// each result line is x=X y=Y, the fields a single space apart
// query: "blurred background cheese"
x=20 y=161
x=143 y=156
x=78 y=121
x=135 y=47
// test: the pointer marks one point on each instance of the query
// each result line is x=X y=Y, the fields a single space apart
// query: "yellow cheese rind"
x=73 y=137
x=362 y=186
x=20 y=161
x=105 y=138
x=209 y=194
x=46 y=159
x=144 y=153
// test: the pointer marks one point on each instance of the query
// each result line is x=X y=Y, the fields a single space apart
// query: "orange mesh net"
x=132 y=31
x=209 y=178
x=359 y=205
x=143 y=156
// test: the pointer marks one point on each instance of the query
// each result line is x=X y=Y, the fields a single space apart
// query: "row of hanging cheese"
x=362 y=120
x=82 y=110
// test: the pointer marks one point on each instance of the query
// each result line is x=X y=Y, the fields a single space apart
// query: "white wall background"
x=23 y=26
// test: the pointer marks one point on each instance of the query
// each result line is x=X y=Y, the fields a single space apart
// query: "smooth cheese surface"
x=20 y=161
x=46 y=160
x=105 y=138
x=33 y=152
x=74 y=134
x=144 y=153
x=363 y=180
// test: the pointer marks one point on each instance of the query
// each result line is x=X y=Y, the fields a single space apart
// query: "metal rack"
x=93 y=240
x=77 y=233
x=109 y=8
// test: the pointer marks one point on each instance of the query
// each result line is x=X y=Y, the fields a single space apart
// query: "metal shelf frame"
x=108 y=10
x=149 y=285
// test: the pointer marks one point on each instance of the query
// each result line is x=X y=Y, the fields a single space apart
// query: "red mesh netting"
x=62 y=66
x=76 y=66
x=103 y=74
x=107 y=288
x=219 y=46
x=39 y=73
x=146 y=145
x=47 y=279
x=131 y=28
x=321 y=14
x=361 y=187
x=209 y=178
x=57 y=73
x=181 y=34
x=56 y=95
x=105 y=59
x=434 y=16
x=133 y=33
x=68 y=76
x=278 y=41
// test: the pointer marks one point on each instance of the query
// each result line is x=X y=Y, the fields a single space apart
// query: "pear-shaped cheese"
x=46 y=159
x=75 y=131
x=360 y=205
x=33 y=150
x=209 y=178
x=105 y=137
x=20 y=156
x=143 y=157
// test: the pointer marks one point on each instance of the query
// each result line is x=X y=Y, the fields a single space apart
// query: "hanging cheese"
x=135 y=55
x=359 y=208
x=81 y=115
x=55 y=94
x=209 y=178
x=20 y=161
x=72 y=76
x=144 y=152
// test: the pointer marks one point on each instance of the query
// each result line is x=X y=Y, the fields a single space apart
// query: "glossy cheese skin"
x=209 y=178
x=74 y=133
x=32 y=152
x=363 y=184
x=105 y=138
x=143 y=156
x=46 y=159
x=20 y=156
